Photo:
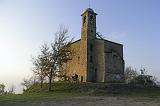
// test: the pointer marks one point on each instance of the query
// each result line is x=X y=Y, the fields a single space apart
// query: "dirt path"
x=84 y=101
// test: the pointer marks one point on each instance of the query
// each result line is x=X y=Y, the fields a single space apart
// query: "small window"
x=115 y=58
x=91 y=17
x=81 y=78
x=78 y=59
x=84 y=19
x=91 y=30
x=91 y=59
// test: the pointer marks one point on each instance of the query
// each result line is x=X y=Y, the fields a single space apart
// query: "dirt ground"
x=85 y=101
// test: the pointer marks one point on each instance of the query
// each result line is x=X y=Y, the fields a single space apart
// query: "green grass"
x=136 y=94
x=35 y=93
x=89 y=88
x=57 y=87
x=64 y=89
x=29 y=97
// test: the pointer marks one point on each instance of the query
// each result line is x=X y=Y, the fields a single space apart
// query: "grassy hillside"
x=63 y=90
x=57 y=87
x=77 y=87
x=96 y=89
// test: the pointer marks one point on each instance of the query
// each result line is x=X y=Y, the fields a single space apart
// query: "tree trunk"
x=50 y=81
x=41 y=82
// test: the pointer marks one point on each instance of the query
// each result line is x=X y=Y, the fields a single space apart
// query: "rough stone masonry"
x=95 y=59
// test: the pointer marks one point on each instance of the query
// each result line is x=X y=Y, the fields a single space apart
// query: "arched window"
x=115 y=58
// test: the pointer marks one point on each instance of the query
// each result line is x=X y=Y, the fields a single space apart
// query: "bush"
x=144 y=81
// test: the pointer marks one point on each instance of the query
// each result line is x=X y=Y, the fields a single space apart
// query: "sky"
x=26 y=24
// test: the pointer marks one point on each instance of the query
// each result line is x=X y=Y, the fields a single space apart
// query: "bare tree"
x=42 y=63
x=130 y=74
x=52 y=58
x=12 y=89
x=27 y=83
x=2 y=88
x=143 y=71
x=60 y=52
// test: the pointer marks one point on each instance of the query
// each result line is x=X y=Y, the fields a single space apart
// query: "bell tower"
x=88 y=36
x=88 y=24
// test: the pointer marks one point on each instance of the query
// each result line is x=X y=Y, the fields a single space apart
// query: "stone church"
x=95 y=59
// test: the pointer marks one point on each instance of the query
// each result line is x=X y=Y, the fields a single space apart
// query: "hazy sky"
x=26 y=24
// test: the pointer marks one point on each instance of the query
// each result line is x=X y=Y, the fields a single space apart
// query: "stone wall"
x=99 y=60
x=73 y=66
x=114 y=63
x=108 y=61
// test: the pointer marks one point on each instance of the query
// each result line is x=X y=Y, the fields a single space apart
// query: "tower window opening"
x=84 y=19
x=91 y=59
x=91 y=17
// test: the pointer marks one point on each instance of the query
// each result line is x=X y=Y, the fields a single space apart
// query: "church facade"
x=95 y=59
